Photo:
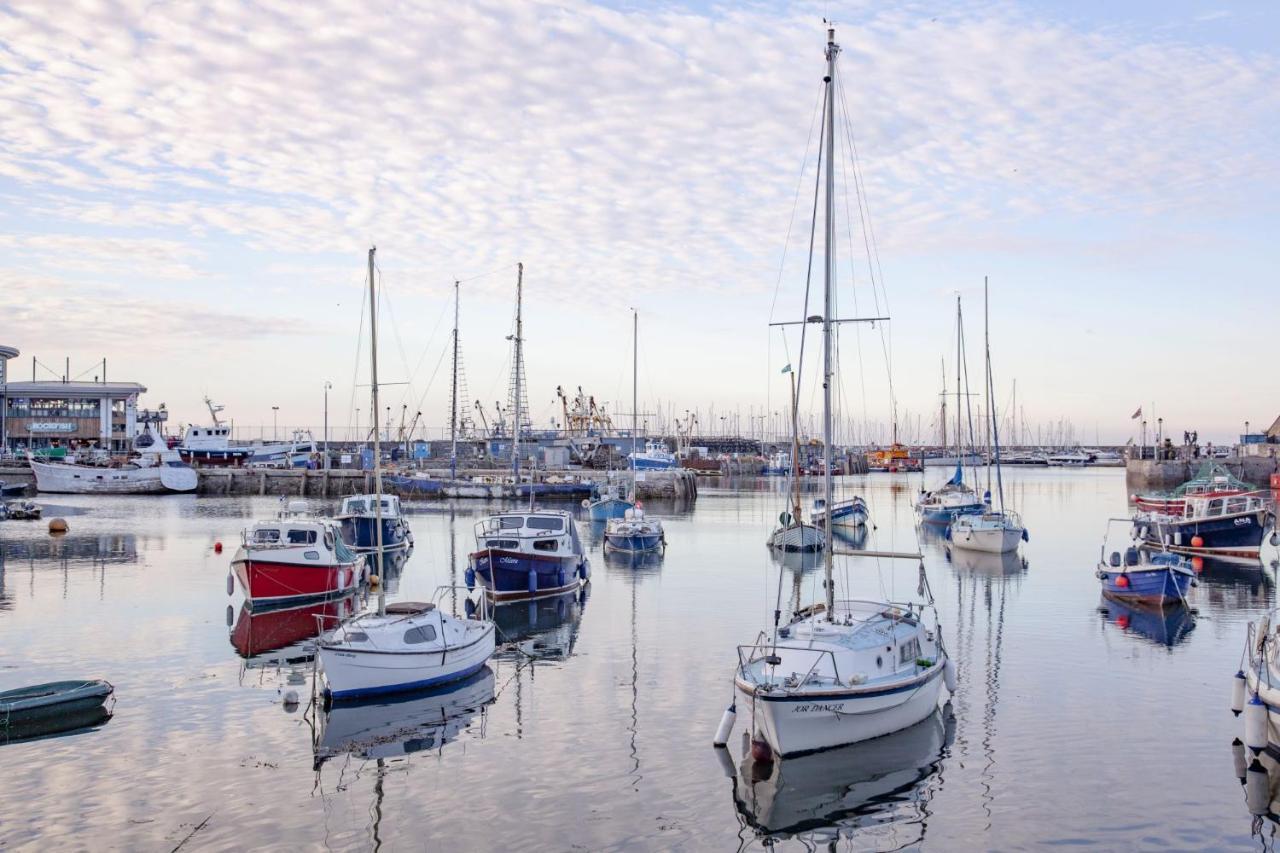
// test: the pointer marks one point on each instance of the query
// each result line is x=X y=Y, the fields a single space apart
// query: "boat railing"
x=767 y=652
x=483 y=530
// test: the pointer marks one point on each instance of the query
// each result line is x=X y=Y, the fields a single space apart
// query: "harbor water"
x=1076 y=721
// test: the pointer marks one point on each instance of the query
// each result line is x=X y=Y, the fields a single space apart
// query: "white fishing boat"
x=211 y=445
x=843 y=670
x=403 y=646
x=634 y=531
x=151 y=469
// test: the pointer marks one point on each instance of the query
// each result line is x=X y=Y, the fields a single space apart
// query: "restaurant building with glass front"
x=42 y=414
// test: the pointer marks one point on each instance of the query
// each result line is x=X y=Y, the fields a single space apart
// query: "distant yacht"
x=151 y=469
x=1069 y=459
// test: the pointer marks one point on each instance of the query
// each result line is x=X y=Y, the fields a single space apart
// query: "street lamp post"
x=275 y=423
x=1159 y=435
x=327 y=386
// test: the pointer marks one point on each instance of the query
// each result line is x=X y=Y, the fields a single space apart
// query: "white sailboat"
x=840 y=671
x=633 y=531
x=993 y=531
x=792 y=533
x=408 y=645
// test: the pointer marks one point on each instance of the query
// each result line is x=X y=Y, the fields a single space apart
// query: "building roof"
x=8 y=352
x=71 y=389
x=1274 y=432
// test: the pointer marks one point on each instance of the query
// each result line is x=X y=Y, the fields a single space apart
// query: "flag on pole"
x=787 y=369
x=1132 y=417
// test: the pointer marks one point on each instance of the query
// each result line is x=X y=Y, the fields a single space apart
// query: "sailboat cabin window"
x=302 y=537
x=1237 y=504
x=420 y=634
x=510 y=523
x=544 y=545
x=542 y=522
x=355 y=506
x=1215 y=507
x=266 y=535
x=909 y=650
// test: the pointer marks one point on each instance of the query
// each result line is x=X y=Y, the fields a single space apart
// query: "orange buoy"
x=217 y=547
x=1122 y=581
x=1197 y=541
x=1197 y=564
x=1123 y=620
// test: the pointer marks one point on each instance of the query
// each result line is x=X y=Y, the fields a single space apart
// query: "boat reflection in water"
x=1166 y=626
x=402 y=724
x=980 y=563
x=836 y=793
x=285 y=631
x=639 y=562
x=393 y=561
x=544 y=628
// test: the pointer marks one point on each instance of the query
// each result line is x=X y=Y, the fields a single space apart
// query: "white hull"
x=797 y=537
x=810 y=723
x=61 y=478
x=993 y=540
x=350 y=671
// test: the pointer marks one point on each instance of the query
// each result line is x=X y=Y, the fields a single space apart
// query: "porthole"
x=879 y=662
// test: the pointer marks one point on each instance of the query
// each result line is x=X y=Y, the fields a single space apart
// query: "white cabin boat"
x=409 y=646
x=152 y=469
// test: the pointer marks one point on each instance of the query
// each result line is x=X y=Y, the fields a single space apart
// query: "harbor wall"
x=1167 y=473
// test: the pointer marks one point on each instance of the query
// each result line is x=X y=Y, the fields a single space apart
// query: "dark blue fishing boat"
x=1210 y=525
x=359 y=519
x=527 y=555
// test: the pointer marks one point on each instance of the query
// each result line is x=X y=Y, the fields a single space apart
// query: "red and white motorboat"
x=293 y=558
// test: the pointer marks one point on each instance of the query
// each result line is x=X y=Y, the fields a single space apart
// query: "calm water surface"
x=1076 y=722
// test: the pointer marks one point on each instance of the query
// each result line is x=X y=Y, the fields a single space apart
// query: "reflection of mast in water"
x=994 y=582
x=377 y=803
x=635 y=679
x=453 y=562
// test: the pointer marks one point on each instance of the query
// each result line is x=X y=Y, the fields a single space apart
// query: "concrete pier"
x=1167 y=473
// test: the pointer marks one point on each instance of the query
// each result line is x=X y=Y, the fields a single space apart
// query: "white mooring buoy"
x=726 y=725
x=1238 y=692
x=231 y=584
x=1255 y=724
x=949 y=675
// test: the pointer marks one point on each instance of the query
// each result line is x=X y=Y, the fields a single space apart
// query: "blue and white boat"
x=1146 y=578
x=955 y=498
x=850 y=513
x=611 y=504
x=523 y=555
x=654 y=457
x=359 y=520
x=634 y=532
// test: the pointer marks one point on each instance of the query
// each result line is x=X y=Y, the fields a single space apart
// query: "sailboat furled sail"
x=841 y=670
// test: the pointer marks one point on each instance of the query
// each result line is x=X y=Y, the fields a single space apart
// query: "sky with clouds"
x=189 y=191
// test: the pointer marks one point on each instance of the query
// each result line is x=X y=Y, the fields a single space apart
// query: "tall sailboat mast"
x=377 y=445
x=453 y=403
x=635 y=357
x=959 y=451
x=833 y=50
x=519 y=369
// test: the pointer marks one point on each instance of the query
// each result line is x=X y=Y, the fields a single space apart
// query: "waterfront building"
x=62 y=413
